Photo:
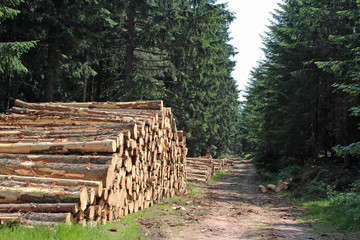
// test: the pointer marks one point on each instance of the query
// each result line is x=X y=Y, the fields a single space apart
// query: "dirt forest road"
x=234 y=209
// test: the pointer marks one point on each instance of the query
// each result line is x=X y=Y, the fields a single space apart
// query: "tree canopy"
x=101 y=50
x=302 y=101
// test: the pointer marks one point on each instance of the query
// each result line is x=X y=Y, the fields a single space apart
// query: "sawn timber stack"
x=87 y=162
x=201 y=169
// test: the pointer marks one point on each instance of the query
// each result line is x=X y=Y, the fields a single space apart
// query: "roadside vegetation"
x=216 y=177
x=329 y=194
x=75 y=232
x=128 y=227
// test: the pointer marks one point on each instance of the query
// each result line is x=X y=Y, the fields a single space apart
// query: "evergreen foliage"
x=10 y=50
x=303 y=98
x=101 y=50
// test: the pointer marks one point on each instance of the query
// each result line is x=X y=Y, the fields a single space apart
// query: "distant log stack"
x=202 y=169
x=87 y=163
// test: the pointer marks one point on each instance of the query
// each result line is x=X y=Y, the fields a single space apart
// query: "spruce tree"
x=10 y=54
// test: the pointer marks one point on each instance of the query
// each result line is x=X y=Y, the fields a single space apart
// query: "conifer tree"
x=10 y=53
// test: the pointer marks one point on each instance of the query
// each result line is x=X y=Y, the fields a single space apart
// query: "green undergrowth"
x=335 y=215
x=330 y=195
x=126 y=228
x=194 y=191
x=60 y=232
x=216 y=177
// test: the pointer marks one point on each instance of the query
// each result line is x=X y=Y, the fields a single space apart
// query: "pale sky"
x=252 y=17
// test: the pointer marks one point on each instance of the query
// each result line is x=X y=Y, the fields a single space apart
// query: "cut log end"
x=262 y=189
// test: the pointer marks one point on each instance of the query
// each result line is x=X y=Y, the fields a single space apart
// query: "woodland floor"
x=231 y=208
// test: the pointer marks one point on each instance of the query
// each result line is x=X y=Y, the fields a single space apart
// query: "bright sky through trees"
x=252 y=17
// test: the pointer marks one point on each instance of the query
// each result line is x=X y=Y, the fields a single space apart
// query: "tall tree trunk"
x=52 y=64
x=84 y=90
x=315 y=124
x=130 y=48
x=8 y=97
x=84 y=93
x=345 y=134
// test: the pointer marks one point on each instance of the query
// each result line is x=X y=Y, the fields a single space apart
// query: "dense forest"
x=102 y=50
x=302 y=103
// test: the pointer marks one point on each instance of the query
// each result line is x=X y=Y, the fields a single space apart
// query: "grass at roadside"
x=334 y=215
x=127 y=228
x=54 y=233
x=337 y=216
x=216 y=177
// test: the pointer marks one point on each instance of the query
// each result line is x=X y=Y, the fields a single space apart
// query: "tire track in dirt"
x=238 y=211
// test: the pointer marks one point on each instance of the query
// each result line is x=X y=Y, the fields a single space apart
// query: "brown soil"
x=232 y=209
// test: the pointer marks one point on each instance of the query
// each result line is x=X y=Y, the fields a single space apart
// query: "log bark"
x=39 y=207
x=63 y=120
x=273 y=187
x=92 y=172
x=262 y=189
x=68 y=159
x=90 y=212
x=97 y=185
x=60 y=147
x=10 y=217
x=66 y=218
x=152 y=104
x=283 y=185
x=43 y=195
x=82 y=112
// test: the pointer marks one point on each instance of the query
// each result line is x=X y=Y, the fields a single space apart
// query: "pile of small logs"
x=87 y=163
x=202 y=168
x=281 y=186
x=222 y=165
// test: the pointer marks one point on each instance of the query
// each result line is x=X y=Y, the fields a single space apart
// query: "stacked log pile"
x=88 y=162
x=222 y=165
x=202 y=169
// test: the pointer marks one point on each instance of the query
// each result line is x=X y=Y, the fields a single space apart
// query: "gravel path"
x=236 y=210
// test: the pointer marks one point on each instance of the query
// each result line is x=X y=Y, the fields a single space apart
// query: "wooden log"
x=10 y=217
x=152 y=104
x=39 y=207
x=19 y=127
x=55 y=133
x=140 y=117
x=109 y=117
x=60 y=147
x=262 y=189
x=97 y=210
x=61 y=138
x=127 y=163
x=66 y=218
x=273 y=187
x=97 y=185
x=196 y=179
x=64 y=120
x=43 y=195
x=93 y=172
x=283 y=185
x=76 y=159
x=90 y=212
x=92 y=195
x=50 y=187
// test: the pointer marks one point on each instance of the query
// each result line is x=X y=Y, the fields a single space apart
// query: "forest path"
x=234 y=209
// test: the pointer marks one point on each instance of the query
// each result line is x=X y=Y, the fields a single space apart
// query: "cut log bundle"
x=88 y=162
x=201 y=169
